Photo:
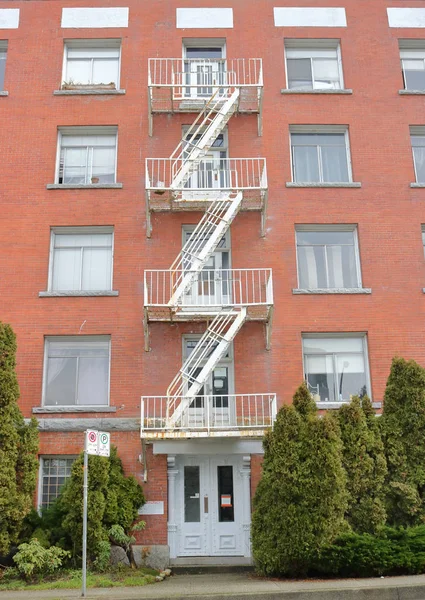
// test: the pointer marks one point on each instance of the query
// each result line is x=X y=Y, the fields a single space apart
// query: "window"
x=91 y=63
x=328 y=257
x=336 y=367
x=320 y=157
x=87 y=156
x=76 y=371
x=204 y=66
x=412 y=56
x=3 y=55
x=81 y=259
x=313 y=64
x=417 y=136
x=55 y=471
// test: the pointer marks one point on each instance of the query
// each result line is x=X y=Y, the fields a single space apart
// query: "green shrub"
x=364 y=461
x=32 y=559
x=301 y=498
x=103 y=557
x=403 y=429
x=391 y=552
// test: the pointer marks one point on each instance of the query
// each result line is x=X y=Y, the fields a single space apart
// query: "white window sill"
x=73 y=409
x=4 y=93
x=417 y=185
x=332 y=291
x=88 y=92
x=334 y=405
x=53 y=294
x=411 y=92
x=302 y=91
x=83 y=186
x=342 y=184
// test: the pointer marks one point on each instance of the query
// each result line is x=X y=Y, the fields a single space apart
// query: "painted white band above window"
x=79 y=18
x=406 y=17
x=204 y=18
x=9 y=18
x=309 y=17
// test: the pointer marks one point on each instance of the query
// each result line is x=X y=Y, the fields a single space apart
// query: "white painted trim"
x=94 y=17
x=87 y=44
x=204 y=18
x=406 y=17
x=208 y=446
x=9 y=18
x=292 y=16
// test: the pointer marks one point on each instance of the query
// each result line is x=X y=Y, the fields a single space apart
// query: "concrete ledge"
x=332 y=291
x=81 y=424
x=411 y=92
x=73 y=409
x=417 y=185
x=4 y=93
x=77 y=294
x=77 y=186
x=334 y=405
x=353 y=184
x=332 y=92
x=88 y=92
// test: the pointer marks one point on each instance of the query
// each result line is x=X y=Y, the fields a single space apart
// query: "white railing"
x=202 y=75
x=207 y=176
x=230 y=414
x=210 y=288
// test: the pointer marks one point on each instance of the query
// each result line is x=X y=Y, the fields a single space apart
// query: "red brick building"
x=231 y=193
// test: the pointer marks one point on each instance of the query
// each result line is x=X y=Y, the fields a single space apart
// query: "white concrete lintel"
x=295 y=16
x=209 y=447
x=9 y=18
x=204 y=18
x=79 y=18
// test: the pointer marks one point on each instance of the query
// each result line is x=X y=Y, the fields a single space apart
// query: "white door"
x=209 y=506
x=204 y=71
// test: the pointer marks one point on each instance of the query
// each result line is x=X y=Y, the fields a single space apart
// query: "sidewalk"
x=242 y=586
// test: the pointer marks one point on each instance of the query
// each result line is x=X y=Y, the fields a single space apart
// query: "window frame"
x=341 y=335
x=85 y=131
x=414 y=46
x=416 y=131
x=87 y=45
x=72 y=338
x=54 y=231
x=42 y=458
x=321 y=130
x=227 y=361
x=4 y=50
x=325 y=228
x=314 y=46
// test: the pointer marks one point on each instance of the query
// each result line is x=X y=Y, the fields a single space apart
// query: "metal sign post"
x=97 y=443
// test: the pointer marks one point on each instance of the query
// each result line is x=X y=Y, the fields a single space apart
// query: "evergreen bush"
x=33 y=559
x=301 y=498
x=364 y=461
x=18 y=448
x=403 y=428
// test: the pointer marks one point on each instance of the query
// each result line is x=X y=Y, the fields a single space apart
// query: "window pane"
x=342 y=267
x=61 y=380
x=326 y=74
x=104 y=164
x=226 y=508
x=334 y=164
x=192 y=52
x=74 y=165
x=105 y=71
x=299 y=73
x=312 y=267
x=324 y=237
x=3 y=55
x=414 y=74
x=78 y=71
x=192 y=506
x=419 y=158
x=320 y=377
x=324 y=345
x=97 y=265
x=306 y=164
x=54 y=475
x=93 y=381
x=351 y=376
x=66 y=269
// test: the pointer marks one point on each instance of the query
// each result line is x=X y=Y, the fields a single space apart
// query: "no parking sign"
x=98 y=442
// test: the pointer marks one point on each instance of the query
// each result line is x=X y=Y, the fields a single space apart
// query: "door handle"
x=206 y=504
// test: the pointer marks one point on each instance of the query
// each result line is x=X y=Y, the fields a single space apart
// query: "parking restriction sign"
x=104 y=443
x=92 y=441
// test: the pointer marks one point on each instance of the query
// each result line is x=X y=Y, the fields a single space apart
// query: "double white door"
x=209 y=506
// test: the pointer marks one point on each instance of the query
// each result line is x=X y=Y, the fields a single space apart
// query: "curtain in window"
x=419 y=156
x=306 y=164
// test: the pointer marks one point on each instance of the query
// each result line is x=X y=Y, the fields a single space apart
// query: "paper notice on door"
x=194 y=497
x=226 y=500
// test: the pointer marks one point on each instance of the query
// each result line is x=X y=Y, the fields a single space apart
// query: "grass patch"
x=121 y=577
